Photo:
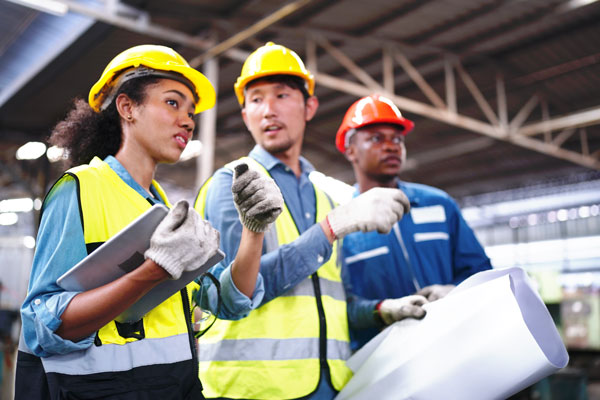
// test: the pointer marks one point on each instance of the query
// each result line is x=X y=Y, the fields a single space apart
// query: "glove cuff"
x=250 y=223
x=338 y=226
x=165 y=260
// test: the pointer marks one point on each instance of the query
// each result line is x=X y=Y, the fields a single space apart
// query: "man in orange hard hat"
x=429 y=251
x=296 y=342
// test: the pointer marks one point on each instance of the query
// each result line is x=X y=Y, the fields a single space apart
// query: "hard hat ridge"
x=369 y=110
x=272 y=59
x=150 y=60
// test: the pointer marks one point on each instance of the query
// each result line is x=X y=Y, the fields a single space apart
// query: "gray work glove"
x=183 y=241
x=435 y=292
x=376 y=209
x=257 y=198
x=392 y=310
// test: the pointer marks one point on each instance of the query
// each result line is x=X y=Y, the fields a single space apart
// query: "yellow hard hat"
x=272 y=59
x=150 y=60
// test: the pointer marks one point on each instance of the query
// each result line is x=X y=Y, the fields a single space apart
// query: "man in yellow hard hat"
x=430 y=251
x=294 y=345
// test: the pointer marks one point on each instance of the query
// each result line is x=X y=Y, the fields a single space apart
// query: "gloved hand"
x=392 y=310
x=376 y=209
x=183 y=241
x=257 y=198
x=435 y=292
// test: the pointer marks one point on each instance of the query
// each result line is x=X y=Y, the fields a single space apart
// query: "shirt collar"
x=120 y=170
x=269 y=161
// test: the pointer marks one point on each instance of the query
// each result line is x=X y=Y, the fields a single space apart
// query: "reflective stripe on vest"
x=107 y=205
x=279 y=349
x=274 y=353
x=110 y=357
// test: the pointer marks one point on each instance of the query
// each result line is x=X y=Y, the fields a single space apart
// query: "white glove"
x=257 y=198
x=376 y=209
x=183 y=241
x=435 y=292
x=392 y=310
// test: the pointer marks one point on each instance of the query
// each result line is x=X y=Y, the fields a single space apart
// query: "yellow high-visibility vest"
x=280 y=349
x=157 y=351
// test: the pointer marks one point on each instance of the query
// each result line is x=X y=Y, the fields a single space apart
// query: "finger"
x=240 y=169
x=418 y=300
x=403 y=200
x=418 y=312
x=246 y=183
x=175 y=217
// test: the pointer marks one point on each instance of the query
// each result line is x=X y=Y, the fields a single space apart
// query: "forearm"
x=245 y=267
x=90 y=310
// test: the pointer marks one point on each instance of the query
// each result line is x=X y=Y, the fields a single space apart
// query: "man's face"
x=377 y=151
x=276 y=115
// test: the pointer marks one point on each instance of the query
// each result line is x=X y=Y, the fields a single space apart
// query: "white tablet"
x=123 y=253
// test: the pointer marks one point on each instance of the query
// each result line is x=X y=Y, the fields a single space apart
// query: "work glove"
x=257 y=198
x=376 y=209
x=392 y=310
x=435 y=292
x=183 y=241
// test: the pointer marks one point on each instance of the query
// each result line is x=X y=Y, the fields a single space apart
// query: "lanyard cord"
x=406 y=257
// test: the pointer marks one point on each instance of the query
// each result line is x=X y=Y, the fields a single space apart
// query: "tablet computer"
x=123 y=253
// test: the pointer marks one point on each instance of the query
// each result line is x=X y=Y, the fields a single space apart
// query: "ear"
x=350 y=154
x=312 y=103
x=244 y=117
x=124 y=106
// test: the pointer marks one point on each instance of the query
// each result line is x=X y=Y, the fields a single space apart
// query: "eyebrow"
x=180 y=94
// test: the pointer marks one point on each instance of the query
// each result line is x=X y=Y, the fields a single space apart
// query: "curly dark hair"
x=84 y=134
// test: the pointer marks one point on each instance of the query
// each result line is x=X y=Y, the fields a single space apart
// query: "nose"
x=187 y=122
x=391 y=144
x=269 y=107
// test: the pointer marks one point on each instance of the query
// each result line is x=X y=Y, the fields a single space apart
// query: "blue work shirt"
x=306 y=254
x=290 y=263
x=440 y=249
x=61 y=245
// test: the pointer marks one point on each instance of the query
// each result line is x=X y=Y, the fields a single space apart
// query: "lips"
x=392 y=160
x=272 y=128
x=182 y=139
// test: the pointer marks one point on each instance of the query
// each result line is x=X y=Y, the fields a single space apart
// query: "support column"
x=208 y=128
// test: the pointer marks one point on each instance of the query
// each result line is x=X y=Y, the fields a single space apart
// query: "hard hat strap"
x=141 y=72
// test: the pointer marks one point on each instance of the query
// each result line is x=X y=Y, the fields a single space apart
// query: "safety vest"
x=280 y=349
x=154 y=357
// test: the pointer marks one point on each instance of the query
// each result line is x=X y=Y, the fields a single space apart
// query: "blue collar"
x=269 y=161
x=120 y=170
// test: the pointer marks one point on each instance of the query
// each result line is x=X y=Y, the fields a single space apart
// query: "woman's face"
x=163 y=124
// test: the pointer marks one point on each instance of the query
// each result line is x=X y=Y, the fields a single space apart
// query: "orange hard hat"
x=373 y=109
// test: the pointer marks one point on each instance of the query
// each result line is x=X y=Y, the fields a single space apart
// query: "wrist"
x=327 y=230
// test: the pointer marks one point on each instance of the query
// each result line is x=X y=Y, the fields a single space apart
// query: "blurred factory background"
x=505 y=95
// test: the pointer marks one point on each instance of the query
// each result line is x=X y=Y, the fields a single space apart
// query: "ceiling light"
x=29 y=242
x=31 y=151
x=16 y=205
x=8 y=218
x=49 y=6
x=55 y=154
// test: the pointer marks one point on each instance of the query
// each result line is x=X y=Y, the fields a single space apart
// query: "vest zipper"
x=322 y=326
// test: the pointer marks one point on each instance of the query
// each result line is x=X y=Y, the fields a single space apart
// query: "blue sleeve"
x=221 y=213
x=60 y=245
x=280 y=269
x=468 y=255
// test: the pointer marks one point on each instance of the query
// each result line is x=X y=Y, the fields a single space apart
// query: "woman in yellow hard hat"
x=139 y=113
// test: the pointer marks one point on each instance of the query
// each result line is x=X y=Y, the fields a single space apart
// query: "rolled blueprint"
x=491 y=337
